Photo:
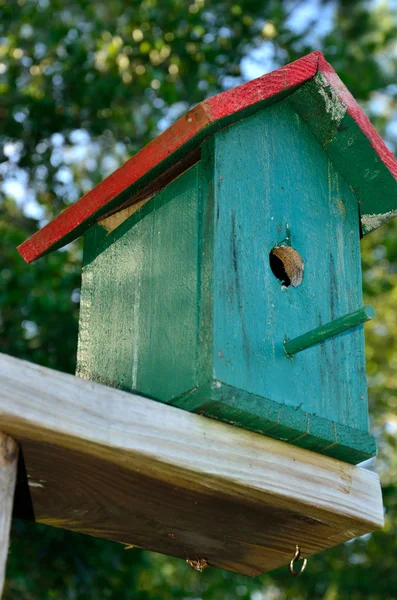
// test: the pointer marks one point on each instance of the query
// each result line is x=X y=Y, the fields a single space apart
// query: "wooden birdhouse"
x=222 y=262
x=221 y=276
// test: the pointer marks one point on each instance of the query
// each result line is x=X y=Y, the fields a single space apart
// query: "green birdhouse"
x=222 y=262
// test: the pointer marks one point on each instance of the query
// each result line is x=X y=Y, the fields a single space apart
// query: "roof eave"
x=159 y=155
x=187 y=133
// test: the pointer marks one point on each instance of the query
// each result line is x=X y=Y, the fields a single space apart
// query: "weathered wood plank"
x=139 y=297
x=344 y=133
x=8 y=473
x=119 y=466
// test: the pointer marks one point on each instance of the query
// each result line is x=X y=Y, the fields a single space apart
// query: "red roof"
x=186 y=135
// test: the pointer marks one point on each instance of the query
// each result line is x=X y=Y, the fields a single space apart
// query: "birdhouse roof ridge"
x=317 y=94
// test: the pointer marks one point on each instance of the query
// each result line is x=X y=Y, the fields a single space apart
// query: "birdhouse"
x=222 y=262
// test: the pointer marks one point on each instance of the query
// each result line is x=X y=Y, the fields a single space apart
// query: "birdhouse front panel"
x=222 y=264
x=277 y=189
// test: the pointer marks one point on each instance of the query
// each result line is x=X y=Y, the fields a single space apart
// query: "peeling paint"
x=333 y=105
x=370 y=222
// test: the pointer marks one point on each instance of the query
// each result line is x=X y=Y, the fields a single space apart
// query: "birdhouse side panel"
x=278 y=189
x=138 y=319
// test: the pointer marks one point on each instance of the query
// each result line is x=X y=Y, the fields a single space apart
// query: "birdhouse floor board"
x=237 y=407
x=122 y=467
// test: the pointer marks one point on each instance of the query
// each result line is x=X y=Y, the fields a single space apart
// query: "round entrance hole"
x=287 y=265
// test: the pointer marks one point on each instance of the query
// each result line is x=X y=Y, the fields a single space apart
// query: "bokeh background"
x=84 y=85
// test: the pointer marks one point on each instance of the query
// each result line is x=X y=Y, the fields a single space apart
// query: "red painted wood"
x=183 y=130
x=264 y=87
x=141 y=163
x=192 y=128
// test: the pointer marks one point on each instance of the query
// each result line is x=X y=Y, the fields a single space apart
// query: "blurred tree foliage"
x=83 y=85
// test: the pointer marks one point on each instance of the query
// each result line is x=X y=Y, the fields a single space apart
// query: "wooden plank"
x=8 y=474
x=188 y=132
x=119 y=466
x=240 y=408
x=139 y=296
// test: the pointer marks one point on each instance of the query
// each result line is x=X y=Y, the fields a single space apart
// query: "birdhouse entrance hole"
x=287 y=265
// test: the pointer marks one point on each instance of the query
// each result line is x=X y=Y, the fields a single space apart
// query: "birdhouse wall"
x=138 y=316
x=179 y=302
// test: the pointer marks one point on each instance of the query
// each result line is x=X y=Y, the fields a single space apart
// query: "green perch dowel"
x=322 y=333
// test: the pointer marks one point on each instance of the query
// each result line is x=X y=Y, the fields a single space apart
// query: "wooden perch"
x=118 y=466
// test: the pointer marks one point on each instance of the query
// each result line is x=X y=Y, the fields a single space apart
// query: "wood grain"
x=182 y=296
x=278 y=199
x=138 y=308
x=188 y=132
x=318 y=400
x=119 y=466
x=8 y=473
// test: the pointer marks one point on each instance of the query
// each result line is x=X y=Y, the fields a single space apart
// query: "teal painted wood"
x=205 y=266
x=138 y=319
x=274 y=185
x=329 y=330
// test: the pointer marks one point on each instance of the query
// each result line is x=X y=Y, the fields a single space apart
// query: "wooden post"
x=8 y=473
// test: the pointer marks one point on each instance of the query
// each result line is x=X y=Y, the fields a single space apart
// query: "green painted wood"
x=205 y=266
x=138 y=306
x=249 y=411
x=286 y=189
x=329 y=330
x=343 y=141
